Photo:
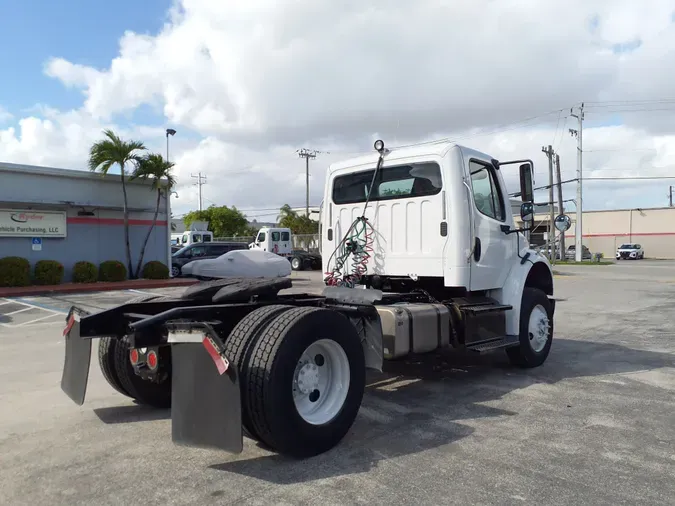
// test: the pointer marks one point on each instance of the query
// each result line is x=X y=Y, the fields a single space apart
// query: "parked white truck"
x=420 y=253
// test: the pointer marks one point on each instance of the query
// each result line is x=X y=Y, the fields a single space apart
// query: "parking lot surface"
x=594 y=425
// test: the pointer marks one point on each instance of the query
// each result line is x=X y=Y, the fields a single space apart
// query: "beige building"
x=604 y=231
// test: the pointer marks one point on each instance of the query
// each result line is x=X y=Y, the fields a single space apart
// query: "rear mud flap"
x=77 y=360
x=205 y=397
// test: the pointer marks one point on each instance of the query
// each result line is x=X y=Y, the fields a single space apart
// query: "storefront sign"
x=21 y=223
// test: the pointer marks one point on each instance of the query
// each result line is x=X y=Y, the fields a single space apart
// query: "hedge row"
x=16 y=271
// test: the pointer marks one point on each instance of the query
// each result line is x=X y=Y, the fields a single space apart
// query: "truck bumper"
x=205 y=395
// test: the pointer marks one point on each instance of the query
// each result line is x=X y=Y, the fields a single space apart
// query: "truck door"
x=285 y=246
x=274 y=239
x=261 y=240
x=490 y=251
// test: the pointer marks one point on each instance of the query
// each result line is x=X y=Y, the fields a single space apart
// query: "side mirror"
x=527 y=212
x=526 y=192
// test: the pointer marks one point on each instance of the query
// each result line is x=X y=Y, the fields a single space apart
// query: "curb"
x=22 y=291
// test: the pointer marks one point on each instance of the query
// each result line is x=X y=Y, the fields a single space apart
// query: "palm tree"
x=286 y=216
x=114 y=151
x=156 y=168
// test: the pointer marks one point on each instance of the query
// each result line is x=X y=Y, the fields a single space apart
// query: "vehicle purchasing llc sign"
x=19 y=223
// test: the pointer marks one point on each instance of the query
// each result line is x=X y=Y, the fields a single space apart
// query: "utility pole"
x=578 y=226
x=551 y=231
x=670 y=198
x=201 y=180
x=307 y=154
x=561 y=210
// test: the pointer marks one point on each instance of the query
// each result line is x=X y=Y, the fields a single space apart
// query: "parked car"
x=201 y=251
x=239 y=263
x=570 y=254
x=630 y=251
x=301 y=260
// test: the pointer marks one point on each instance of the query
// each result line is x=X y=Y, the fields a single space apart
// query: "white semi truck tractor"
x=420 y=252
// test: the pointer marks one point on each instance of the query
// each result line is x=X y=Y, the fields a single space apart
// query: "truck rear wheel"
x=155 y=394
x=306 y=378
x=238 y=346
x=106 y=353
x=536 y=330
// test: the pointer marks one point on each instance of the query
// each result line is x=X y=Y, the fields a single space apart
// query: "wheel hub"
x=538 y=328
x=321 y=381
x=308 y=378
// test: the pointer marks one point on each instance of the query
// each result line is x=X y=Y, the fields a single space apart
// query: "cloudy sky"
x=247 y=84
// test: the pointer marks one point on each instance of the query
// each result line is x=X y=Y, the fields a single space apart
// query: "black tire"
x=157 y=395
x=106 y=361
x=175 y=271
x=238 y=346
x=297 y=264
x=106 y=354
x=524 y=355
x=269 y=381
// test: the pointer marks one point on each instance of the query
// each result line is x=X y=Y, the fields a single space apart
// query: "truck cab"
x=438 y=218
x=274 y=240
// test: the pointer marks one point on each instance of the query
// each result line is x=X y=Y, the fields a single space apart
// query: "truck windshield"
x=397 y=182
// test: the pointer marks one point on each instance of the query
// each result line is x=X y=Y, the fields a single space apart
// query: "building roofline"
x=627 y=209
x=39 y=170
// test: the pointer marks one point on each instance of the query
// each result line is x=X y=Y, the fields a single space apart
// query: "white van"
x=274 y=240
x=192 y=236
x=198 y=233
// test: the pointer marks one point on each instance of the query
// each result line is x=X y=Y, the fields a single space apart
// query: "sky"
x=248 y=84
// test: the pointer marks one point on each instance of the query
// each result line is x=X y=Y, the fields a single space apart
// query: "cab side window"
x=275 y=236
x=486 y=191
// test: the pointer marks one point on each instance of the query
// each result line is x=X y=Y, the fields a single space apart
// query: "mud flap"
x=205 y=396
x=77 y=360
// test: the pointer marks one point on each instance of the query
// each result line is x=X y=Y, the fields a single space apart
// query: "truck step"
x=485 y=308
x=493 y=344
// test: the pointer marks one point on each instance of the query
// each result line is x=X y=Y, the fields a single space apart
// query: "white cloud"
x=259 y=79
x=5 y=115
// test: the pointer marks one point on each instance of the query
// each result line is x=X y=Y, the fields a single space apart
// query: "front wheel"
x=536 y=330
x=306 y=376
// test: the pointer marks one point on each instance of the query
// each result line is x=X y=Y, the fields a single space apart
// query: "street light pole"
x=172 y=132
x=169 y=131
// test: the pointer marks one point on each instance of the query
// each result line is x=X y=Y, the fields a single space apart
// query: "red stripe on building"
x=627 y=234
x=80 y=220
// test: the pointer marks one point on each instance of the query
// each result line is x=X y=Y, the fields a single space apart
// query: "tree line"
x=227 y=221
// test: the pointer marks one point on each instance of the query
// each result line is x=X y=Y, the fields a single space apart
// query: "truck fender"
x=534 y=272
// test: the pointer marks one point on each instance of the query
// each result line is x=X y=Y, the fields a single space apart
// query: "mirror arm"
x=508 y=230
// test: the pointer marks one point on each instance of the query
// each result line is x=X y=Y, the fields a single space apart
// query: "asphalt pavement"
x=594 y=425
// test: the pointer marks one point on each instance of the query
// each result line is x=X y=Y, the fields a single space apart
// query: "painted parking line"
x=22 y=313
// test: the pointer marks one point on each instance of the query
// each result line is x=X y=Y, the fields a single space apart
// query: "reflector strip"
x=221 y=363
x=74 y=317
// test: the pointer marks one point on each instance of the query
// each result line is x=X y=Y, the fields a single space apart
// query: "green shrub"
x=155 y=270
x=85 y=272
x=112 y=270
x=48 y=272
x=14 y=271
